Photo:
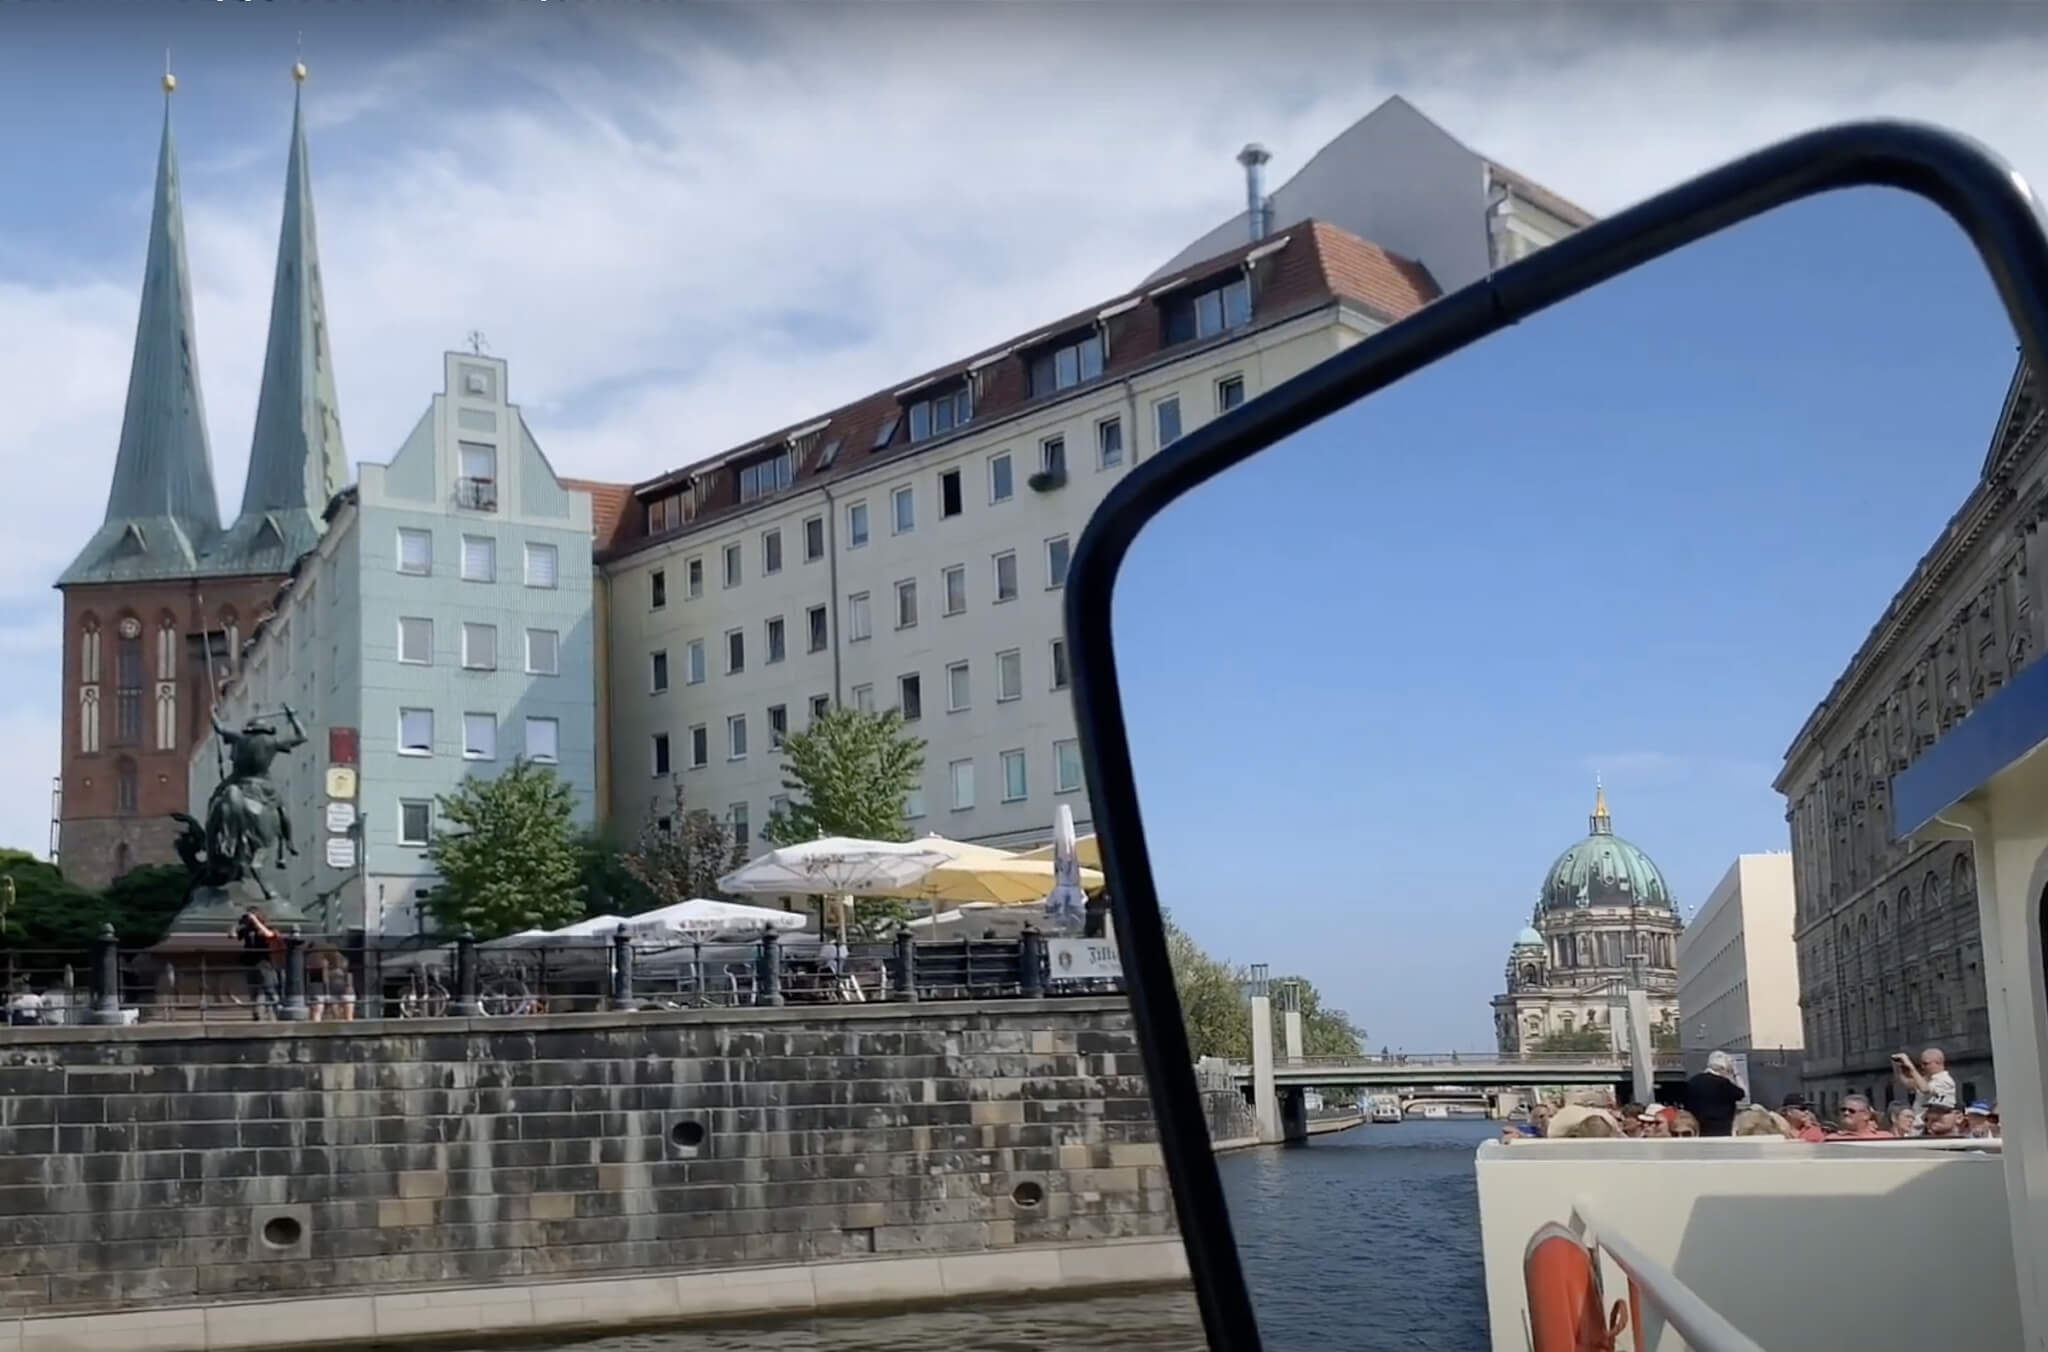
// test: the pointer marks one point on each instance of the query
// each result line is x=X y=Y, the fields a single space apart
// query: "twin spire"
x=163 y=517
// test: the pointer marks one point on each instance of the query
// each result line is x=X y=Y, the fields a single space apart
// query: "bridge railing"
x=1658 y=1293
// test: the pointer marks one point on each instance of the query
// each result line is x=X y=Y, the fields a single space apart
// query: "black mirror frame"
x=1978 y=190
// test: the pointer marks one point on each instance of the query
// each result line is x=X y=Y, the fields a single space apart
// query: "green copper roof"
x=161 y=509
x=1603 y=870
x=1528 y=938
x=296 y=460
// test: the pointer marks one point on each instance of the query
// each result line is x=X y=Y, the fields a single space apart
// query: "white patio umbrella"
x=834 y=866
x=701 y=918
x=980 y=873
x=1066 y=905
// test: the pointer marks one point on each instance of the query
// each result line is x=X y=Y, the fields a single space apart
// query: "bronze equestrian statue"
x=245 y=817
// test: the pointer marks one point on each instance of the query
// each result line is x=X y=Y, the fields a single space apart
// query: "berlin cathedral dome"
x=1604 y=922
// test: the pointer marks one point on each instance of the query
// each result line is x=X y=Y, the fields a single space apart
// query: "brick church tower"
x=158 y=603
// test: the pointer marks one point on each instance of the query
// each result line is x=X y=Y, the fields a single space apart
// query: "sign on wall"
x=1083 y=960
x=341 y=852
x=340 y=817
x=341 y=746
x=341 y=782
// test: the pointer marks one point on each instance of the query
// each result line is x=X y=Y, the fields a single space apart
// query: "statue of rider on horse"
x=245 y=817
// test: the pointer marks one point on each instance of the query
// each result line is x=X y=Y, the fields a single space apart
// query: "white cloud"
x=684 y=231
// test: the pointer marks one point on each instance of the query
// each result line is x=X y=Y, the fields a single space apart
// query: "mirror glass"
x=1499 y=704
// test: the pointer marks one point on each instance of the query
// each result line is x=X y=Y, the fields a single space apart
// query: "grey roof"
x=296 y=460
x=161 y=509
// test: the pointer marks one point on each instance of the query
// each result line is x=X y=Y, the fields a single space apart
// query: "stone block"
x=405 y=1212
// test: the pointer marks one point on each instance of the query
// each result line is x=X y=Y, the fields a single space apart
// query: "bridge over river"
x=1464 y=1070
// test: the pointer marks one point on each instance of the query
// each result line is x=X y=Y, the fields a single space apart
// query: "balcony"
x=477 y=495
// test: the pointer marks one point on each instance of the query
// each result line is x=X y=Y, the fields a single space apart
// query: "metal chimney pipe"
x=1257 y=210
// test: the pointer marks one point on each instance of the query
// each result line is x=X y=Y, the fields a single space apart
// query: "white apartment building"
x=1738 y=968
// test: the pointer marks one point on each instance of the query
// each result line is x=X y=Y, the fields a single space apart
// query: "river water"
x=1366 y=1239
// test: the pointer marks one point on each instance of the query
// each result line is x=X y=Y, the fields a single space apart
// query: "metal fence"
x=316 y=978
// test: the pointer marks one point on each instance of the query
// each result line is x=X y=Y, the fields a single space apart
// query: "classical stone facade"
x=1603 y=903
x=1889 y=952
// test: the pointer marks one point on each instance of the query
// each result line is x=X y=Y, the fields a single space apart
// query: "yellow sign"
x=341 y=782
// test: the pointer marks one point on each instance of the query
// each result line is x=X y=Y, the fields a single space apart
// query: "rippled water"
x=1367 y=1239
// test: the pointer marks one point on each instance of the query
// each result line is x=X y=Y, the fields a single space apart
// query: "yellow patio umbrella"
x=981 y=873
x=1085 y=849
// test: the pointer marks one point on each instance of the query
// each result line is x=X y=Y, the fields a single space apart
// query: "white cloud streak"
x=683 y=231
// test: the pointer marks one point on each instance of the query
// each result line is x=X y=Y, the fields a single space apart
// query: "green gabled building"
x=158 y=601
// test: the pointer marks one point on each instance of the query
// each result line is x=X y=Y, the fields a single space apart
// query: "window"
x=128 y=686
x=771 y=552
x=127 y=788
x=1066 y=766
x=1060 y=677
x=1001 y=478
x=693 y=578
x=415 y=551
x=910 y=696
x=886 y=432
x=1006 y=576
x=1204 y=314
x=1057 y=554
x=906 y=603
x=814 y=627
x=477 y=489
x=1063 y=368
x=765 y=476
x=1052 y=456
x=693 y=662
x=415 y=732
x=820 y=706
x=856 y=524
x=480 y=647
x=1009 y=675
x=903 y=510
x=543 y=652
x=415 y=821
x=913 y=804
x=479 y=558
x=700 y=746
x=859 y=623
x=657 y=589
x=1109 y=443
x=657 y=678
x=1015 y=786
x=864 y=698
x=736 y=737
x=735 y=651
x=479 y=736
x=956 y=687
x=940 y=414
x=778 y=646
x=1166 y=417
x=543 y=739
x=814 y=539
x=661 y=765
x=732 y=565
x=542 y=565
x=953 y=579
x=1229 y=393
x=416 y=641
x=778 y=805
x=741 y=829
x=961 y=775
x=778 y=724
x=949 y=493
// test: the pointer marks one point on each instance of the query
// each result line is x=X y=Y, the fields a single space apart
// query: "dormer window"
x=1216 y=307
x=770 y=474
x=1072 y=363
x=665 y=514
x=941 y=413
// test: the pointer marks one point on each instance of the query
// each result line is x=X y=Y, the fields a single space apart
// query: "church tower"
x=157 y=603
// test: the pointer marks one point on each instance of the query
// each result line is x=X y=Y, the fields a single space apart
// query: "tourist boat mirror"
x=1529 y=733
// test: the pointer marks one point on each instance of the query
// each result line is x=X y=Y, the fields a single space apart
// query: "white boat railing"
x=1666 y=1300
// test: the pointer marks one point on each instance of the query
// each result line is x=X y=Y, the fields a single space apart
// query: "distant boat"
x=1385 y=1108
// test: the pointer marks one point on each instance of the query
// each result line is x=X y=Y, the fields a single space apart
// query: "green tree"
x=1324 y=1031
x=142 y=903
x=1583 y=1041
x=48 y=914
x=850 y=774
x=1219 y=1014
x=509 y=858
x=682 y=851
x=610 y=887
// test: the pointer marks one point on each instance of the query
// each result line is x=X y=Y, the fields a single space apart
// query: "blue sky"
x=683 y=225
x=1374 y=671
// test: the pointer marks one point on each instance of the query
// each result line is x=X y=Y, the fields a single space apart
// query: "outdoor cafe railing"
x=317 y=978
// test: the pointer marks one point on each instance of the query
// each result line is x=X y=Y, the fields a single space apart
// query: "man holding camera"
x=1931 y=1084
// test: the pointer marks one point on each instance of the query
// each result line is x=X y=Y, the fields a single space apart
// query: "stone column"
x=1265 y=1101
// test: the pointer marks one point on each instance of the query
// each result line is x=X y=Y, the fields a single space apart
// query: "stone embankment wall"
x=158 y=1166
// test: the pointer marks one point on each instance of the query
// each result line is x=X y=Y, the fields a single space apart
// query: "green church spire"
x=296 y=459
x=161 y=508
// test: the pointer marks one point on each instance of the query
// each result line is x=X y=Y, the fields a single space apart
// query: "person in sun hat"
x=1977 y=1120
x=1798 y=1113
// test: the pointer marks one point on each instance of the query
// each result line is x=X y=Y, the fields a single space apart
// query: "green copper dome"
x=1603 y=870
x=1528 y=938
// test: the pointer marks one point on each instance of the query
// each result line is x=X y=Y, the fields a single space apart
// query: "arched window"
x=127 y=792
x=167 y=647
x=1963 y=882
x=128 y=682
x=89 y=650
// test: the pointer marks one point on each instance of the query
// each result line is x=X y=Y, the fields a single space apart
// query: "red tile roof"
x=608 y=503
x=1313 y=266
